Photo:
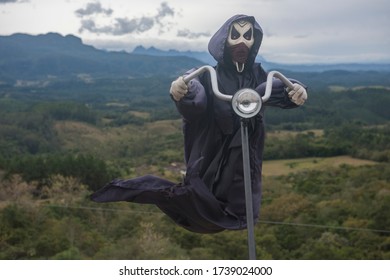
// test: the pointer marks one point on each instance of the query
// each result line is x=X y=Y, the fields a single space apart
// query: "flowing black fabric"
x=190 y=204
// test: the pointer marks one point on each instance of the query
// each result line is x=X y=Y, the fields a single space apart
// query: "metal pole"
x=248 y=189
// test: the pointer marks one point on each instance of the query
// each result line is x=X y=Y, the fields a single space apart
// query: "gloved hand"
x=298 y=95
x=178 y=89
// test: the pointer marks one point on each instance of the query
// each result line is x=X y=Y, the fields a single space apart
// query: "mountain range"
x=208 y=59
x=25 y=56
x=51 y=55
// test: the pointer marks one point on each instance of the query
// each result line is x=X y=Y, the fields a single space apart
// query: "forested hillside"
x=62 y=139
x=51 y=56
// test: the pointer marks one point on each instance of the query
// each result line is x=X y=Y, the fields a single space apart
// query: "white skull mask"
x=241 y=32
x=240 y=41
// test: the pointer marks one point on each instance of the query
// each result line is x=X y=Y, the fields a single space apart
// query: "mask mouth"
x=239 y=54
x=240 y=67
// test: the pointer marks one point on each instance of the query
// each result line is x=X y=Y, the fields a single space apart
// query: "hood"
x=218 y=41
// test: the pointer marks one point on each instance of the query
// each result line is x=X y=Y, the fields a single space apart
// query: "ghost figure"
x=211 y=196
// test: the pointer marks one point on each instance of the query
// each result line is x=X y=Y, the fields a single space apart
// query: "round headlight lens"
x=246 y=103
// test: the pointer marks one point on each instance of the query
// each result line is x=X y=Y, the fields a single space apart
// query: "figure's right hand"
x=178 y=89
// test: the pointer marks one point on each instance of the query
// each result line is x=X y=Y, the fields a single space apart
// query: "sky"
x=295 y=31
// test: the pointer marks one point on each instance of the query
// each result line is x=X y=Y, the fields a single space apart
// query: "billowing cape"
x=211 y=197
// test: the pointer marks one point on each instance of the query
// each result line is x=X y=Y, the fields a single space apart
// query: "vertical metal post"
x=248 y=189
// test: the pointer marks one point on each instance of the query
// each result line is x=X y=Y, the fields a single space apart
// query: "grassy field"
x=286 y=166
x=111 y=142
x=285 y=134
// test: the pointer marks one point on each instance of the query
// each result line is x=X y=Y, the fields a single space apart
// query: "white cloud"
x=121 y=25
x=12 y=1
x=91 y=9
x=192 y=35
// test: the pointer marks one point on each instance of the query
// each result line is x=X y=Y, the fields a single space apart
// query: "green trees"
x=342 y=214
x=366 y=142
x=90 y=170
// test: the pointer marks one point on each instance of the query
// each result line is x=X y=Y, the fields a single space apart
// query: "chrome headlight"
x=246 y=103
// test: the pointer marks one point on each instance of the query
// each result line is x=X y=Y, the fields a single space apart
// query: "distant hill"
x=208 y=59
x=25 y=56
x=53 y=56
x=327 y=67
x=202 y=56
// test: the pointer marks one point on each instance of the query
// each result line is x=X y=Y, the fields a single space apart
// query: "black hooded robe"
x=211 y=197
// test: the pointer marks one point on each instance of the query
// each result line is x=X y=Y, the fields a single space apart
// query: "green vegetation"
x=327 y=196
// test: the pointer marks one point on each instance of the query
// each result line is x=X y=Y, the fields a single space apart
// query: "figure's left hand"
x=298 y=94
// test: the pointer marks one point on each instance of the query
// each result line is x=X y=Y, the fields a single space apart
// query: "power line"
x=260 y=221
x=105 y=209
x=324 y=226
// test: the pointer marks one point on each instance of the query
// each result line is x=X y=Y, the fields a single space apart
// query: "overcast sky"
x=295 y=31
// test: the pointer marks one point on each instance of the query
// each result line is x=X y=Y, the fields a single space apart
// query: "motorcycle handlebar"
x=220 y=95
